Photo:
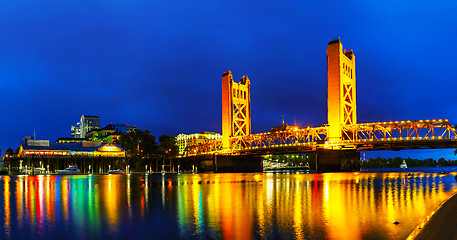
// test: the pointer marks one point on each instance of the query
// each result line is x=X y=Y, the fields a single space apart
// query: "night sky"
x=158 y=64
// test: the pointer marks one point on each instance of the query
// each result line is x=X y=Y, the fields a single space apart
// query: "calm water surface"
x=361 y=205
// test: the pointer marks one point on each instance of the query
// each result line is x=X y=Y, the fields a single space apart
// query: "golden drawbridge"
x=338 y=143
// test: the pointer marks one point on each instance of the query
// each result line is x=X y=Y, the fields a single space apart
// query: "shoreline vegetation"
x=395 y=162
x=273 y=161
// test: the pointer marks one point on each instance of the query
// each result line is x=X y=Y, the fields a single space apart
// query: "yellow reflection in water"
x=325 y=206
x=19 y=199
x=197 y=204
x=111 y=200
x=237 y=206
x=6 y=197
x=64 y=185
x=298 y=209
x=340 y=216
x=50 y=199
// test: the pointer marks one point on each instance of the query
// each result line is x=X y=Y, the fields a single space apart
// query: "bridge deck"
x=420 y=134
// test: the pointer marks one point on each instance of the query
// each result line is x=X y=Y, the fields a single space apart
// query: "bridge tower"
x=236 y=110
x=340 y=89
x=341 y=110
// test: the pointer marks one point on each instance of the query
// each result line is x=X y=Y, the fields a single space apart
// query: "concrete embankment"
x=440 y=224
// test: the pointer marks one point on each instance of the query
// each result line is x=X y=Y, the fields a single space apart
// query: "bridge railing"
x=290 y=137
x=437 y=129
x=209 y=147
x=429 y=132
x=286 y=138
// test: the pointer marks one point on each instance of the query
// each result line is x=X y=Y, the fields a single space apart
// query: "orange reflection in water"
x=6 y=209
x=232 y=206
x=330 y=205
x=112 y=199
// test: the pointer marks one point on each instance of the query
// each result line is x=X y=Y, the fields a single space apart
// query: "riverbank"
x=440 y=224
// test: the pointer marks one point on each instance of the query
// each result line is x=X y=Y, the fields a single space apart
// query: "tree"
x=9 y=152
x=140 y=146
x=148 y=145
x=442 y=162
x=455 y=152
x=167 y=146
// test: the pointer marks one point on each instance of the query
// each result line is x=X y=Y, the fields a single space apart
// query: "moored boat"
x=403 y=165
x=69 y=171
x=118 y=171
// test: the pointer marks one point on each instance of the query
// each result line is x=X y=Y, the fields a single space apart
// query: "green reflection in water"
x=331 y=205
x=229 y=206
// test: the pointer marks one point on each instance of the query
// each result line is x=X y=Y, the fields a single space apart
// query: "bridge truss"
x=364 y=136
x=401 y=135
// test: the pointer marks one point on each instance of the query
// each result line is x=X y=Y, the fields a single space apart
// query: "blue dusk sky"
x=157 y=64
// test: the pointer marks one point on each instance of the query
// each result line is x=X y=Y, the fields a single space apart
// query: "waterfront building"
x=69 y=149
x=69 y=140
x=89 y=157
x=109 y=133
x=182 y=140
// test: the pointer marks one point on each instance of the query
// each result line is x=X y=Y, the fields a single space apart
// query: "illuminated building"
x=86 y=124
x=190 y=139
x=89 y=157
x=85 y=149
x=68 y=140
x=76 y=131
x=109 y=133
x=89 y=123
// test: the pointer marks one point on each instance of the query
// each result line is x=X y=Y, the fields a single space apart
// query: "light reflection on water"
x=361 y=205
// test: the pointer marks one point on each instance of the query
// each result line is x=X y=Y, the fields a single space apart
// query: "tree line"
x=142 y=149
x=395 y=162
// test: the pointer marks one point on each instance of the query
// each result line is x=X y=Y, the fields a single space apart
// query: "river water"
x=360 y=205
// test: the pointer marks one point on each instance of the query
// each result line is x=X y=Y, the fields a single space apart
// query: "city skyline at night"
x=159 y=64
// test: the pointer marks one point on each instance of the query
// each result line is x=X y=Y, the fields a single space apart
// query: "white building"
x=182 y=140
x=85 y=125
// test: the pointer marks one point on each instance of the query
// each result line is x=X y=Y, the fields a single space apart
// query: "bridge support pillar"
x=337 y=160
x=223 y=164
